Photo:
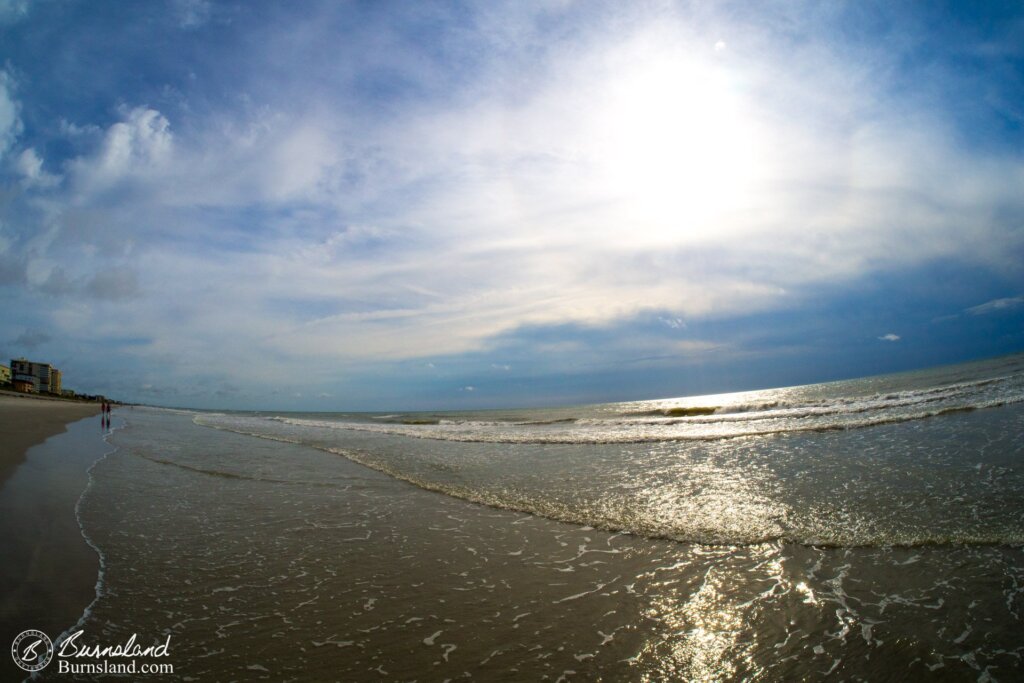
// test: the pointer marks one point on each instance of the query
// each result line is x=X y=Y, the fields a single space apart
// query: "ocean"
x=870 y=529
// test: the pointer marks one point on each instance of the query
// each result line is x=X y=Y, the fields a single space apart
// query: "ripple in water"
x=913 y=459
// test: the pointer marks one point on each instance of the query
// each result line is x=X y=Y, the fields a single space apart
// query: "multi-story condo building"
x=37 y=377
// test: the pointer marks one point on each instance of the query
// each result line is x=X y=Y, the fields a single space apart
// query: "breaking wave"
x=727 y=479
x=611 y=424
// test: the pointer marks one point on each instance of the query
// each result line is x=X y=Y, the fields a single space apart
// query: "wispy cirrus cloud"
x=388 y=198
x=12 y=11
x=996 y=305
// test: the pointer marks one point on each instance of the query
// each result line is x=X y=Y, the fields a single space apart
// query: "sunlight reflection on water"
x=713 y=499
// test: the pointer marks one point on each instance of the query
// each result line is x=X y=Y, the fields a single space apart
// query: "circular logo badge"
x=32 y=650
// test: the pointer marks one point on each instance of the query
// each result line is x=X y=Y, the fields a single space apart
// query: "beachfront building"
x=26 y=385
x=32 y=377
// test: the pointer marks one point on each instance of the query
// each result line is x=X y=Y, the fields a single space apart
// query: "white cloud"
x=503 y=214
x=673 y=323
x=132 y=148
x=268 y=159
x=624 y=176
x=143 y=137
x=298 y=162
x=10 y=120
x=996 y=305
x=30 y=166
x=192 y=13
x=889 y=337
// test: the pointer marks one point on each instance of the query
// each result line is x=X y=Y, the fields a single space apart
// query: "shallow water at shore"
x=922 y=458
x=278 y=561
x=47 y=569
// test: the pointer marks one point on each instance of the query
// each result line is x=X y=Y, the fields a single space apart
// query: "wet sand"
x=29 y=420
x=268 y=560
x=47 y=570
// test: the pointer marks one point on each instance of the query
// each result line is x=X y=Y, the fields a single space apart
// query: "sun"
x=675 y=147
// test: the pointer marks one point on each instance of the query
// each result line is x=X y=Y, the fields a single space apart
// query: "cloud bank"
x=370 y=188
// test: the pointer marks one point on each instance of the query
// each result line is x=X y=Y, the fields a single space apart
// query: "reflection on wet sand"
x=276 y=561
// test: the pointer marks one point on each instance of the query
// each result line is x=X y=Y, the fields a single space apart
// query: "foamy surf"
x=99 y=588
x=792 y=410
x=803 y=549
x=865 y=463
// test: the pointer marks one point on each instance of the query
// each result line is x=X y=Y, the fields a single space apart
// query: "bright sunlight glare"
x=676 y=148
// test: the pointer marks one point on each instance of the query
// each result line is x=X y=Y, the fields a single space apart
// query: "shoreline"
x=27 y=421
x=49 y=571
x=315 y=567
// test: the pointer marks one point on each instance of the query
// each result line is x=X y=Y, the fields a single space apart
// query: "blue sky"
x=339 y=206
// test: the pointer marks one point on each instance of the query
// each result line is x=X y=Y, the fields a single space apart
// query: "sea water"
x=868 y=529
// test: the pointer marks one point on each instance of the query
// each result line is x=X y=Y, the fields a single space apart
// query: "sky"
x=409 y=205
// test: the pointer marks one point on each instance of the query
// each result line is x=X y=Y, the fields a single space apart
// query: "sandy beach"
x=29 y=420
x=290 y=546
x=47 y=570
